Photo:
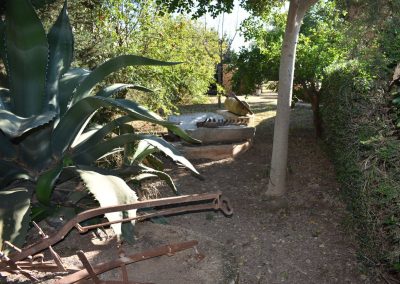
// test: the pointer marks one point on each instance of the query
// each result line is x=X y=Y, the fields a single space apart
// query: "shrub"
x=359 y=136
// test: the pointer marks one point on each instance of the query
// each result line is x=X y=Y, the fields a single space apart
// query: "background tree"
x=297 y=11
x=108 y=28
x=249 y=67
x=321 y=43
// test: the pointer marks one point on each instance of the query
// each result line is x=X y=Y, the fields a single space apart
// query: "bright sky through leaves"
x=228 y=24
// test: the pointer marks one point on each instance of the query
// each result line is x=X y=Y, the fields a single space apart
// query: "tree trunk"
x=277 y=180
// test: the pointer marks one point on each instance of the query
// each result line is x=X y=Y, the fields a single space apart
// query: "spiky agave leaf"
x=115 y=88
x=98 y=135
x=111 y=190
x=67 y=85
x=70 y=125
x=149 y=173
x=91 y=154
x=14 y=216
x=169 y=151
x=45 y=183
x=109 y=67
x=7 y=149
x=61 y=43
x=15 y=126
x=143 y=150
x=26 y=57
x=96 y=151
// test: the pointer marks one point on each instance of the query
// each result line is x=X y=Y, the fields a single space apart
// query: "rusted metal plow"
x=28 y=259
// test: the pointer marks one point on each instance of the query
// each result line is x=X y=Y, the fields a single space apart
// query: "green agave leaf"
x=96 y=151
x=4 y=99
x=98 y=136
x=38 y=213
x=45 y=184
x=111 y=190
x=14 y=216
x=27 y=54
x=151 y=173
x=154 y=162
x=72 y=121
x=68 y=83
x=14 y=126
x=61 y=45
x=80 y=136
x=35 y=149
x=110 y=67
x=169 y=150
x=86 y=135
x=115 y=88
x=130 y=147
x=7 y=149
x=10 y=172
x=143 y=150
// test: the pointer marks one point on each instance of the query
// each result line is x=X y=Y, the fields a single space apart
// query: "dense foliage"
x=361 y=137
x=249 y=66
x=108 y=28
x=321 y=43
x=346 y=54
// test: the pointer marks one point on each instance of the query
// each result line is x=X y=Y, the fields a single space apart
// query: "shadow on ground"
x=299 y=239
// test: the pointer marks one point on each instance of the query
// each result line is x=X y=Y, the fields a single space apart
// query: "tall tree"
x=297 y=11
x=321 y=43
x=277 y=178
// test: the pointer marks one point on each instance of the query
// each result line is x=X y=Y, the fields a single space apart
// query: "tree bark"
x=277 y=180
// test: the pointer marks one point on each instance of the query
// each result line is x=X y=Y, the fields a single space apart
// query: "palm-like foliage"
x=44 y=113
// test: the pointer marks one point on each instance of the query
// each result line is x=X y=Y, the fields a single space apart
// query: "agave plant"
x=44 y=114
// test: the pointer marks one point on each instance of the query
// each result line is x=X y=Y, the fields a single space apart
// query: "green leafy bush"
x=359 y=133
x=105 y=29
x=44 y=113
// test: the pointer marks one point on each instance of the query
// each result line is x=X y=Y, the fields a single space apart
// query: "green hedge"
x=361 y=139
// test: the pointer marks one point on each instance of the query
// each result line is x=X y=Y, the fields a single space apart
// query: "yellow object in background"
x=234 y=105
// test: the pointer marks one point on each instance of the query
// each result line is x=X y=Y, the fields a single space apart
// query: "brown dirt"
x=297 y=239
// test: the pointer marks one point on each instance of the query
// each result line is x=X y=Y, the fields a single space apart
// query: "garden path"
x=302 y=238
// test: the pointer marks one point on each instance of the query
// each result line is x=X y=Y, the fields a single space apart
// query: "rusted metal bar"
x=110 y=282
x=166 y=212
x=88 y=267
x=125 y=278
x=12 y=246
x=221 y=203
x=54 y=254
x=217 y=198
x=15 y=269
x=103 y=267
x=47 y=266
x=57 y=259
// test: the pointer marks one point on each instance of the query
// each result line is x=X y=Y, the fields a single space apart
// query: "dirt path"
x=300 y=239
